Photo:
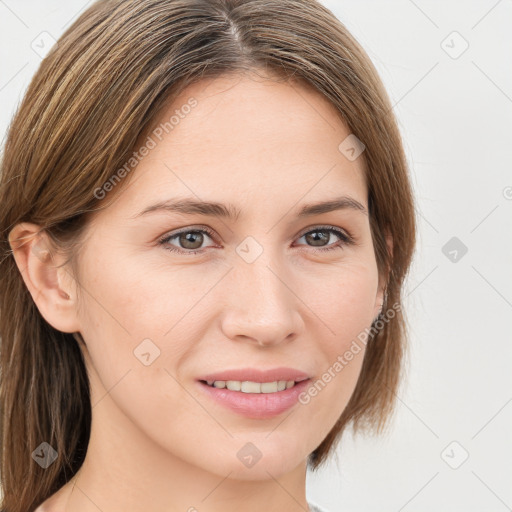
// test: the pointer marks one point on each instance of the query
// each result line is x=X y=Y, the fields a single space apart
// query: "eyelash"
x=346 y=239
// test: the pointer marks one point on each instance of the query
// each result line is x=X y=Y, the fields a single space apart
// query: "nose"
x=260 y=305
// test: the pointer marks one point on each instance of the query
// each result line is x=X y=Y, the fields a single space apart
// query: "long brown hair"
x=94 y=94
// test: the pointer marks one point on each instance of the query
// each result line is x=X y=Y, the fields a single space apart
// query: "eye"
x=321 y=235
x=191 y=240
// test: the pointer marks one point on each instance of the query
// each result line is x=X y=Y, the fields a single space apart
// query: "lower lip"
x=256 y=405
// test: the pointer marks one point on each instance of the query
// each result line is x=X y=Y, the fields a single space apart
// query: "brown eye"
x=319 y=237
x=191 y=239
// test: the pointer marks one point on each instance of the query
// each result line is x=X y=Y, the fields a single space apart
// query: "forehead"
x=245 y=140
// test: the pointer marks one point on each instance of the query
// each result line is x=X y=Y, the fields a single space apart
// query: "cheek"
x=140 y=322
x=343 y=301
x=143 y=297
x=344 y=306
x=330 y=392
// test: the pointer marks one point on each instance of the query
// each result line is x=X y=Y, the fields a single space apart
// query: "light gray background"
x=455 y=113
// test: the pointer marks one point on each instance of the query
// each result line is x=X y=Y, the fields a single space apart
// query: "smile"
x=256 y=400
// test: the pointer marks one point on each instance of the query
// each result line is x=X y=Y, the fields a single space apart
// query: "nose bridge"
x=261 y=305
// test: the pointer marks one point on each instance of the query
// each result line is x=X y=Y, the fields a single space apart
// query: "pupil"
x=188 y=238
x=315 y=239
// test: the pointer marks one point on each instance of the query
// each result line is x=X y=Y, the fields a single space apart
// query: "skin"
x=156 y=440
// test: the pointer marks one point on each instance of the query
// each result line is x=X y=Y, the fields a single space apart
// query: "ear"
x=52 y=288
x=383 y=279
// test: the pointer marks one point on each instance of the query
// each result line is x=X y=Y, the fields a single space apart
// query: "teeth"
x=247 y=386
x=234 y=385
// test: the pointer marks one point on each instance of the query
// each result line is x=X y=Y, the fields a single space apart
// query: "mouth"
x=260 y=398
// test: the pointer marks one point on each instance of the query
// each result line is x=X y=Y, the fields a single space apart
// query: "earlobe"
x=49 y=285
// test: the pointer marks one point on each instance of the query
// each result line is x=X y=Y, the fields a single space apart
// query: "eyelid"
x=187 y=229
x=319 y=227
x=210 y=232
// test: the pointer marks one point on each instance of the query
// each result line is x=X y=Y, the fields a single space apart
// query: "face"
x=176 y=296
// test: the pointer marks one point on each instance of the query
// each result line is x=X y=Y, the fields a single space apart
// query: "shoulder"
x=56 y=502
x=313 y=507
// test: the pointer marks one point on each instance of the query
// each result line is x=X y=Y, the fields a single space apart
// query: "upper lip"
x=256 y=375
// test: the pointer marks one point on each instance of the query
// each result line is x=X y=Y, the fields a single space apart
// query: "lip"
x=256 y=405
x=257 y=375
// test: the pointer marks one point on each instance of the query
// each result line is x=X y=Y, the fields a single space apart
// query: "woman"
x=206 y=223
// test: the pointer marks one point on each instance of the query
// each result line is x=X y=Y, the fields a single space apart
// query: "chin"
x=273 y=466
x=255 y=457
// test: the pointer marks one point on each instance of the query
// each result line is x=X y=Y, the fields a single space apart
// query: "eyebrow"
x=229 y=211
